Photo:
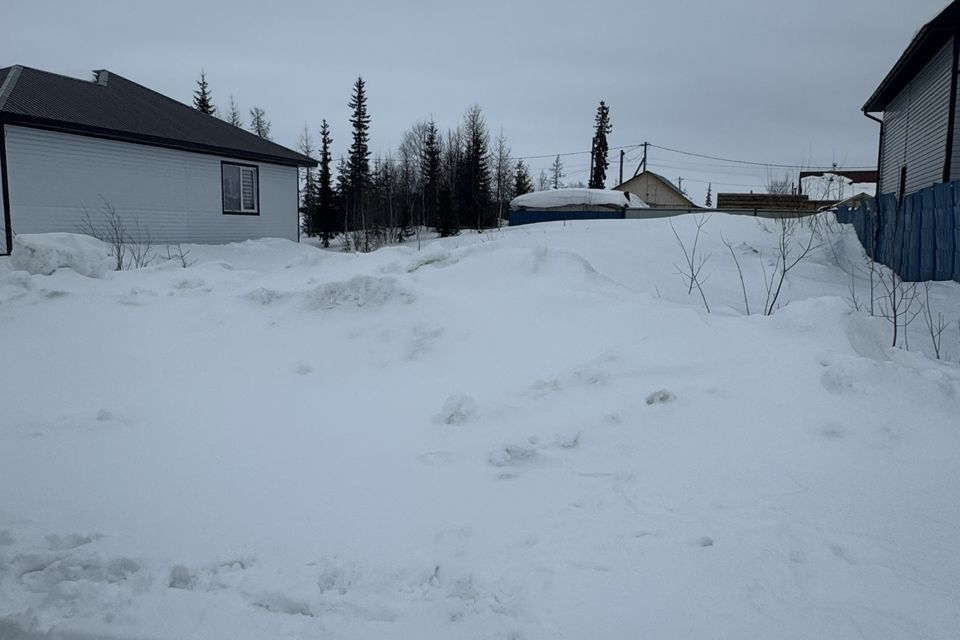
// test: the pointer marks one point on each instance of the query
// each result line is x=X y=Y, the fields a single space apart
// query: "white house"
x=69 y=147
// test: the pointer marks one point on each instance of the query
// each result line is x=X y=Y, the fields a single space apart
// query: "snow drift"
x=44 y=253
x=530 y=433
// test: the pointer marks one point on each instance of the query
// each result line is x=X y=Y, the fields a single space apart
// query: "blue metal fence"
x=529 y=217
x=919 y=239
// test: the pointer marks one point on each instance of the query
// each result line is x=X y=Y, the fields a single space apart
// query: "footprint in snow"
x=457 y=409
x=660 y=397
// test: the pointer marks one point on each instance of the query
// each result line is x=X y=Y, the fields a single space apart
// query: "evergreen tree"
x=328 y=219
x=522 y=183
x=430 y=170
x=233 y=117
x=259 y=123
x=358 y=158
x=202 y=100
x=556 y=173
x=308 y=192
x=473 y=183
x=709 y=201
x=600 y=148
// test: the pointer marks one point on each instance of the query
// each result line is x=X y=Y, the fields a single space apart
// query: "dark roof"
x=928 y=40
x=110 y=106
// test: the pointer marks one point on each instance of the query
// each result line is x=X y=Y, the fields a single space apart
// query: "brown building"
x=656 y=191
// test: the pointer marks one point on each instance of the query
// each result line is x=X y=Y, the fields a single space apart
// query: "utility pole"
x=622 y=153
x=643 y=162
x=680 y=183
x=590 y=178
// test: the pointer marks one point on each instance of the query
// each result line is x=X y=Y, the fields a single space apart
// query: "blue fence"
x=920 y=239
x=529 y=217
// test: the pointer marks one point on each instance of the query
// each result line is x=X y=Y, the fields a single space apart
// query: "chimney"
x=103 y=77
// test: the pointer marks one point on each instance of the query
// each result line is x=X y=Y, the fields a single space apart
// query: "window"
x=241 y=189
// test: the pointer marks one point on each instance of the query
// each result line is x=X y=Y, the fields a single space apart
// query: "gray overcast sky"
x=765 y=80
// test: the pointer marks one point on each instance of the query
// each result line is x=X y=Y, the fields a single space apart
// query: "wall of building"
x=176 y=196
x=651 y=190
x=769 y=201
x=4 y=249
x=915 y=128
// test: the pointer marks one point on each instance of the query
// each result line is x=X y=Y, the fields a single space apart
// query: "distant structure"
x=656 y=191
x=769 y=202
x=919 y=144
x=554 y=205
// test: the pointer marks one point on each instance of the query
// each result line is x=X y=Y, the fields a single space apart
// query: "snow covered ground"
x=532 y=433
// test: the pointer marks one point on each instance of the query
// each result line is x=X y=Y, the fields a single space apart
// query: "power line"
x=576 y=153
x=748 y=162
x=700 y=155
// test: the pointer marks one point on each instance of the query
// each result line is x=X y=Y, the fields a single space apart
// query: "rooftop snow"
x=585 y=197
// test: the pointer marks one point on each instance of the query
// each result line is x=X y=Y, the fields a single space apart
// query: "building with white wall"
x=71 y=148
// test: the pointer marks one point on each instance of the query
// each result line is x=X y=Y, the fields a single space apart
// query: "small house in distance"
x=572 y=204
x=69 y=146
x=918 y=103
x=656 y=191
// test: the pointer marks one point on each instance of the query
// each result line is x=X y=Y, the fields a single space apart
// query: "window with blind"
x=241 y=187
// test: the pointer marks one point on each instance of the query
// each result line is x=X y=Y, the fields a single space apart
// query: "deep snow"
x=531 y=433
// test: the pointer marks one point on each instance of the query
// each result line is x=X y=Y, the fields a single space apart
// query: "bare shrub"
x=790 y=252
x=736 y=261
x=897 y=304
x=694 y=262
x=180 y=255
x=130 y=249
x=935 y=325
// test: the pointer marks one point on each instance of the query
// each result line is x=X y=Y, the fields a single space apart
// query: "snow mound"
x=44 y=253
x=575 y=197
x=437 y=258
x=359 y=291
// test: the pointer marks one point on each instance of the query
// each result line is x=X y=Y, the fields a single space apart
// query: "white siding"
x=915 y=127
x=175 y=195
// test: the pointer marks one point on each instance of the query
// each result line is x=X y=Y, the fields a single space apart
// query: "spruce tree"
x=430 y=176
x=358 y=158
x=233 y=116
x=202 y=100
x=556 y=173
x=473 y=183
x=522 y=183
x=308 y=195
x=259 y=123
x=328 y=219
x=709 y=201
x=600 y=148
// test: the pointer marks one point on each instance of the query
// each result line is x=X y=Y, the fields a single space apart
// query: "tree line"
x=446 y=181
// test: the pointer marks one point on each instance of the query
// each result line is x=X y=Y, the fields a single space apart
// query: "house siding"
x=4 y=249
x=651 y=190
x=174 y=195
x=955 y=148
x=915 y=127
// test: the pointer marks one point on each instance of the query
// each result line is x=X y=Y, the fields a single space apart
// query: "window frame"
x=256 y=181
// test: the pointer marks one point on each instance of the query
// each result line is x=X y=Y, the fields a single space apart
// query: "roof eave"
x=922 y=47
x=296 y=160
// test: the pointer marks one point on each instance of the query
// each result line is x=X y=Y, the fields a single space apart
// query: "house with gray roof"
x=656 y=191
x=71 y=147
